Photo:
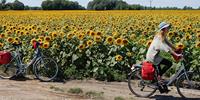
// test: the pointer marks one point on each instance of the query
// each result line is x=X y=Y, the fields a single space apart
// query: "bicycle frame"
x=36 y=57
x=20 y=64
x=44 y=68
x=181 y=70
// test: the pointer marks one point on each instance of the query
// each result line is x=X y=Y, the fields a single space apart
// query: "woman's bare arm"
x=170 y=44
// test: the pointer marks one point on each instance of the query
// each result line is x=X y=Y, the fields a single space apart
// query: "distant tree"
x=8 y=6
x=121 y=5
x=58 y=4
x=2 y=4
x=35 y=8
x=47 y=5
x=61 y=5
x=17 y=5
x=136 y=7
x=187 y=8
x=26 y=7
x=107 y=5
x=1 y=7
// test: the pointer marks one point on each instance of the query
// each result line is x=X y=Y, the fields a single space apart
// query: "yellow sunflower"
x=133 y=36
x=4 y=27
x=46 y=45
x=81 y=46
x=24 y=33
x=88 y=32
x=115 y=34
x=170 y=34
x=125 y=42
x=109 y=40
x=148 y=43
x=17 y=39
x=119 y=41
x=54 y=35
x=178 y=38
x=92 y=33
x=39 y=40
x=188 y=37
x=141 y=41
x=62 y=34
x=47 y=38
x=99 y=34
x=197 y=45
x=41 y=37
x=70 y=35
x=9 y=32
x=129 y=54
x=180 y=46
x=18 y=32
x=10 y=39
x=81 y=36
x=118 y=58
x=97 y=38
x=198 y=35
x=89 y=43
x=2 y=35
x=56 y=46
x=1 y=45
x=197 y=31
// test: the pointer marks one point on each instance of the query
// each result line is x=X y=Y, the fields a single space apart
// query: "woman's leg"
x=167 y=64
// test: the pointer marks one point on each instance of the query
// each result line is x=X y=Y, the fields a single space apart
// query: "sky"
x=156 y=3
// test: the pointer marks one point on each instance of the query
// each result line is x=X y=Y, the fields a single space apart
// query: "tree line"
x=92 y=5
x=16 y=5
x=46 y=5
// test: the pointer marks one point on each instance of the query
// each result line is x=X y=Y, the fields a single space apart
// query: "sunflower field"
x=99 y=44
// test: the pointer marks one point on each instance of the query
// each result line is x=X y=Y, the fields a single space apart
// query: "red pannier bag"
x=148 y=71
x=5 y=57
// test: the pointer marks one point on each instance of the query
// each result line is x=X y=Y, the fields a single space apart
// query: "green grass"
x=75 y=90
x=119 y=98
x=57 y=89
x=95 y=95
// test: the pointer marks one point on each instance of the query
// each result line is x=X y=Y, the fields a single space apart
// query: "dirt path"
x=36 y=90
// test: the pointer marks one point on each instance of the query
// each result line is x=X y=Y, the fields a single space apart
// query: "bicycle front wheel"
x=9 y=70
x=188 y=85
x=140 y=87
x=46 y=69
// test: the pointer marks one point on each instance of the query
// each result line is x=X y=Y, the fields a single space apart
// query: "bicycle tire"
x=133 y=87
x=46 y=69
x=187 y=88
x=9 y=70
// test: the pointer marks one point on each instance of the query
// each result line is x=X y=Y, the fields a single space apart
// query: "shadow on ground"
x=167 y=97
x=20 y=78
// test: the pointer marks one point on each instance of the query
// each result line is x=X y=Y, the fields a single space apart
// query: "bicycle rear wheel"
x=188 y=85
x=140 y=87
x=9 y=70
x=46 y=69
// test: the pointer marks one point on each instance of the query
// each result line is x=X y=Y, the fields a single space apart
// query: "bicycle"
x=185 y=82
x=44 y=68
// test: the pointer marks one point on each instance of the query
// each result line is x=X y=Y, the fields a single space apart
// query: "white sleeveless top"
x=156 y=46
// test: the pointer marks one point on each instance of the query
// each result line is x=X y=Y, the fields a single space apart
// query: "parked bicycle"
x=185 y=81
x=44 y=68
